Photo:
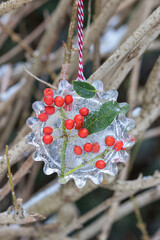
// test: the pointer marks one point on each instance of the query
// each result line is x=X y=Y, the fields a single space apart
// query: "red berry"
x=69 y=124
x=123 y=148
x=48 y=92
x=118 y=146
x=59 y=101
x=42 y=117
x=78 y=126
x=83 y=133
x=88 y=147
x=78 y=119
x=48 y=100
x=100 y=164
x=68 y=99
x=77 y=150
x=84 y=111
x=49 y=110
x=67 y=108
x=47 y=139
x=96 y=147
x=109 y=141
x=47 y=130
x=132 y=139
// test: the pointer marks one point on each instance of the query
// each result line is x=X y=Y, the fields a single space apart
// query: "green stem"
x=65 y=138
x=10 y=180
x=82 y=165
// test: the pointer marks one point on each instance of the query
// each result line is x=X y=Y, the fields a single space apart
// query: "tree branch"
x=11 y=5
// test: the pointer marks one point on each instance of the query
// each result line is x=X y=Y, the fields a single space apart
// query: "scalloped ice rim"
x=97 y=177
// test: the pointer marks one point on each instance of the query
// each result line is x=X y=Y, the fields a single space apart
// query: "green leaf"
x=84 y=89
x=99 y=120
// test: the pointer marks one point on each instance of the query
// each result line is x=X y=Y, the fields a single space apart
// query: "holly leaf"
x=99 y=120
x=84 y=89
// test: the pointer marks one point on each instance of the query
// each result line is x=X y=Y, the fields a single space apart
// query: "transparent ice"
x=80 y=168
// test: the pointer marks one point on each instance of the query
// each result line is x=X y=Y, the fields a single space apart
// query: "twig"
x=38 y=79
x=68 y=48
x=150 y=105
x=22 y=171
x=17 y=39
x=10 y=180
x=96 y=54
x=142 y=200
x=153 y=132
x=132 y=92
x=146 y=33
x=141 y=225
x=11 y=5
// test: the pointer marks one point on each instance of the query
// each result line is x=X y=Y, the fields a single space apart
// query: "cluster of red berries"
x=50 y=110
x=110 y=141
x=78 y=123
x=49 y=100
x=88 y=147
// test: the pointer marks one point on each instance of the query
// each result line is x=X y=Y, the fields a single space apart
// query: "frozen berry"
x=69 y=124
x=83 y=133
x=49 y=110
x=96 y=147
x=109 y=141
x=67 y=108
x=118 y=146
x=48 y=100
x=78 y=126
x=47 y=130
x=132 y=139
x=84 y=111
x=88 y=147
x=59 y=101
x=78 y=119
x=68 y=99
x=47 y=139
x=100 y=164
x=42 y=117
x=77 y=150
x=48 y=92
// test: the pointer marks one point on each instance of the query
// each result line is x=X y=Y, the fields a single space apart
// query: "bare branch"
x=11 y=5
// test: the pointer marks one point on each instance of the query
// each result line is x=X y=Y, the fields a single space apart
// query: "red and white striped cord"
x=80 y=39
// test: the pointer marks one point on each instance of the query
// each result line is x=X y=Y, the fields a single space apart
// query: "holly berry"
x=77 y=150
x=48 y=100
x=100 y=164
x=84 y=111
x=68 y=99
x=49 y=110
x=69 y=124
x=96 y=147
x=48 y=92
x=47 y=130
x=109 y=141
x=42 y=117
x=78 y=119
x=67 y=107
x=78 y=126
x=83 y=133
x=59 y=101
x=47 y=139
x=88 y=147
x=132 y=139
x=118 y=146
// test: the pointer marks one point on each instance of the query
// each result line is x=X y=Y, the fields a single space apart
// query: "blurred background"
x=21 y=32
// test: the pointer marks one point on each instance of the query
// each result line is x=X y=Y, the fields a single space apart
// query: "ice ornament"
x=59 y=155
